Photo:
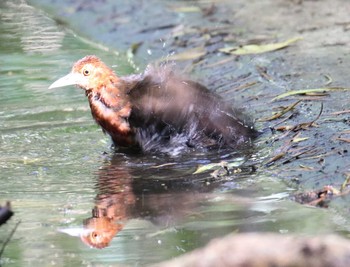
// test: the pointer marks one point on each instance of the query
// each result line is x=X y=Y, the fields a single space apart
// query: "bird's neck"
x=111 y=108
x=108 y=98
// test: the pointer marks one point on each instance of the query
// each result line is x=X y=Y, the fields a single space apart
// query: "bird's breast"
x=113 y=119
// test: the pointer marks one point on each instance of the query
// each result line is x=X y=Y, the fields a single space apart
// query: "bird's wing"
x=182 y=105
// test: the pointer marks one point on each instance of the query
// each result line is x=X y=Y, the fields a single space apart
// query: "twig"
x=347 y=140
x=284 y=111
x=341 y=112
x=305 y=125
x=9 y=238
x=318 y=116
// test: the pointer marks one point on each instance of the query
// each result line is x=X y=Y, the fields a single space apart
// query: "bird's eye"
x=94 y=235
x=86 y=72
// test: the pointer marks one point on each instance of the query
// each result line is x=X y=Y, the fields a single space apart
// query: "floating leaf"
x=258 y=49
x=27 y=160
x=308 y=91
x=188 y=54
x=222 y=164
x=163 y=165
x=207 y=167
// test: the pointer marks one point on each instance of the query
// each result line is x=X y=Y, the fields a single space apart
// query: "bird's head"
x=89 y=73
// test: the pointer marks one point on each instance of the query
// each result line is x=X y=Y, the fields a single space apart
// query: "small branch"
x=9 y=238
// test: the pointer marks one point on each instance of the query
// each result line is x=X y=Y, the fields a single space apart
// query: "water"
x=57 y=166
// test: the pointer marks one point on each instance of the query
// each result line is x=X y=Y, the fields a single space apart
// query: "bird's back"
x=167 y=108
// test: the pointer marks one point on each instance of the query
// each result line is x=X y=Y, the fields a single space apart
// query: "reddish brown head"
x=89 y=73
x=100 y=231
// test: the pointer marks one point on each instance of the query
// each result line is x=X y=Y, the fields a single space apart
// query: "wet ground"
x=57 y=166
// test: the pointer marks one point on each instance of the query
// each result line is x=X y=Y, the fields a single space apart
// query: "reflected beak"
x=70 y=79
x=77 y=231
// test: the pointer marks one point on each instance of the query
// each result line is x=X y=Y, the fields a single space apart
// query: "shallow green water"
x=56 y=165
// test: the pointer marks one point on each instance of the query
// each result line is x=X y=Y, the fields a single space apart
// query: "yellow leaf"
x=204 y=168
x=258 y=49
x=186 y=9
x=300 y=139
x=222 y=164
x=308 y=91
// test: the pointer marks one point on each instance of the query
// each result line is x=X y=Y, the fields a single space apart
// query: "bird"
x=158 y=110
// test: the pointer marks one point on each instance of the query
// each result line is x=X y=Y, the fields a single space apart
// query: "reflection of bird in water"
x=101 y=231
x=157 y=109
x=121 y=198
x=113 y=202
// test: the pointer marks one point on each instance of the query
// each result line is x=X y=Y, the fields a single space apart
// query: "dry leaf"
x=207 y=167
x=308 y=91
x=186 y=9
x=222 y=164
x=258 y=49
x=299 y=139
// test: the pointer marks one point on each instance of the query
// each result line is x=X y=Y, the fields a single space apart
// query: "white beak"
x=69 y=79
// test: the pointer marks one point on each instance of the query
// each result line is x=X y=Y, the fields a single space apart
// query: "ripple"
x=40 y=35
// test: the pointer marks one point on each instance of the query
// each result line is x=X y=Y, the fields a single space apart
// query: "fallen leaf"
x=307 y=91
x=257 y=49
x=308 y=168
x=186 y=9
x=275 y=158
x=207 y=167
x=220 y=165
x=284 y=128
x=299 y=139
